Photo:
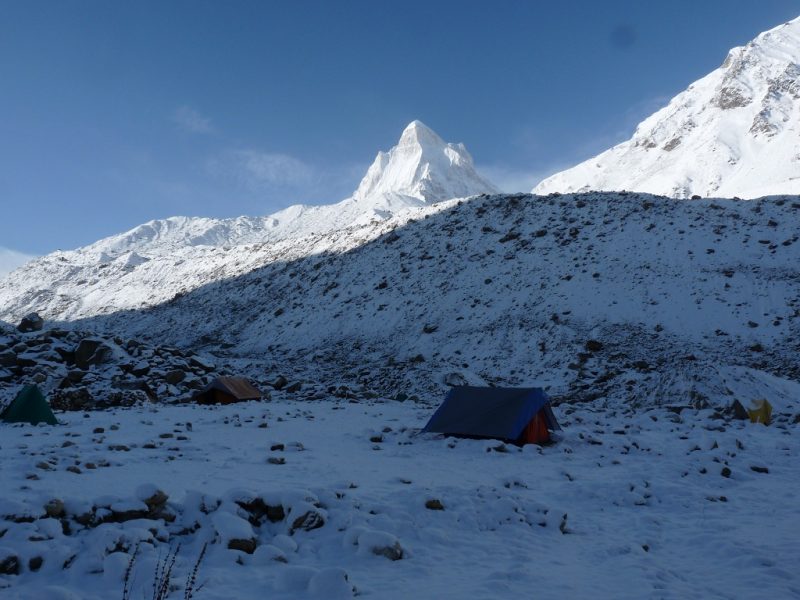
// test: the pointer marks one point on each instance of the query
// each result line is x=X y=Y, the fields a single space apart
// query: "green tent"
x=29 y=406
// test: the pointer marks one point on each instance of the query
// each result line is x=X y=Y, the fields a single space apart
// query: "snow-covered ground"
x=628 y=504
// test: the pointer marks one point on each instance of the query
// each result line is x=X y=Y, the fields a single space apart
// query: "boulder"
x=54 y=508
x=434 y=504
x=594 y=346
x=243 y=545
x=156 y=500
x=308 y=521
x=175 y=376
x=393 y=552
x=9 y=565
x=8 y=358
x=31 y=322
x=92 y=352
x=202 y=363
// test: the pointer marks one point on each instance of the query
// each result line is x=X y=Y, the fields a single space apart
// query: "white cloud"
x=259 y=169
x=275 y=180
x=10 y=260
x=191 y=120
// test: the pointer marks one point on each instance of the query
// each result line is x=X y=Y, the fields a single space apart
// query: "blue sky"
x=116 y=113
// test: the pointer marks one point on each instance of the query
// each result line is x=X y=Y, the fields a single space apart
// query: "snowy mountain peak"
x=735 y=132
x=422 y=167
x=417 y=132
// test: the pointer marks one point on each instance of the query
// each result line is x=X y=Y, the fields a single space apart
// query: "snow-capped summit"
x=424 y=167
x=735 y=132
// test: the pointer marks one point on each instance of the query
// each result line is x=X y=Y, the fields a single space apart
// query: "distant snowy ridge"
x=421 y=170
x=735 y=132
x=155 y=261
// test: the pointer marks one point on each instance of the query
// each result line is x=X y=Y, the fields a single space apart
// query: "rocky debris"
x=434 y=504
x=239 y=524
x=31 y=322
x=82 y=371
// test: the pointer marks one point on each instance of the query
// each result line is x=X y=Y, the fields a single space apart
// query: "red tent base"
x=536 y=431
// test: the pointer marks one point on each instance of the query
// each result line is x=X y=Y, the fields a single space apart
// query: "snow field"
x=625 y=505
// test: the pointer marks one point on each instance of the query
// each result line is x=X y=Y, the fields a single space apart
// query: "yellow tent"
x=761 y=412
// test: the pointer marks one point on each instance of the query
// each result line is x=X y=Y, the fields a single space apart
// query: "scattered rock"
x=175 y=377
x=393 y=552
x=434 y=504
x=92 y=352
x=243 y=545
x=35 y=563
x=54 y=508
x=593 y=346
x=156 y=500
x=31 y=322
x=307 y=522
x=9 y=565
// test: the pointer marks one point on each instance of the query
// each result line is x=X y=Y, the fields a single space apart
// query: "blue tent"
x=519 y=415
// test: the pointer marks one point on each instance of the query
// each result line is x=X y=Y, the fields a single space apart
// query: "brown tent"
x=226 y=390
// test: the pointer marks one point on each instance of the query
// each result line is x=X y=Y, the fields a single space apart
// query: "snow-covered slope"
x=691 y=301
x=735 y=132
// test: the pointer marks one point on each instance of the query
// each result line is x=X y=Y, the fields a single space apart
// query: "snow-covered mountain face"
x=736 y=132
x=616 y=297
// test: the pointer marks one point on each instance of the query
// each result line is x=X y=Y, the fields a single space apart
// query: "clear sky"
x=115 y=113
